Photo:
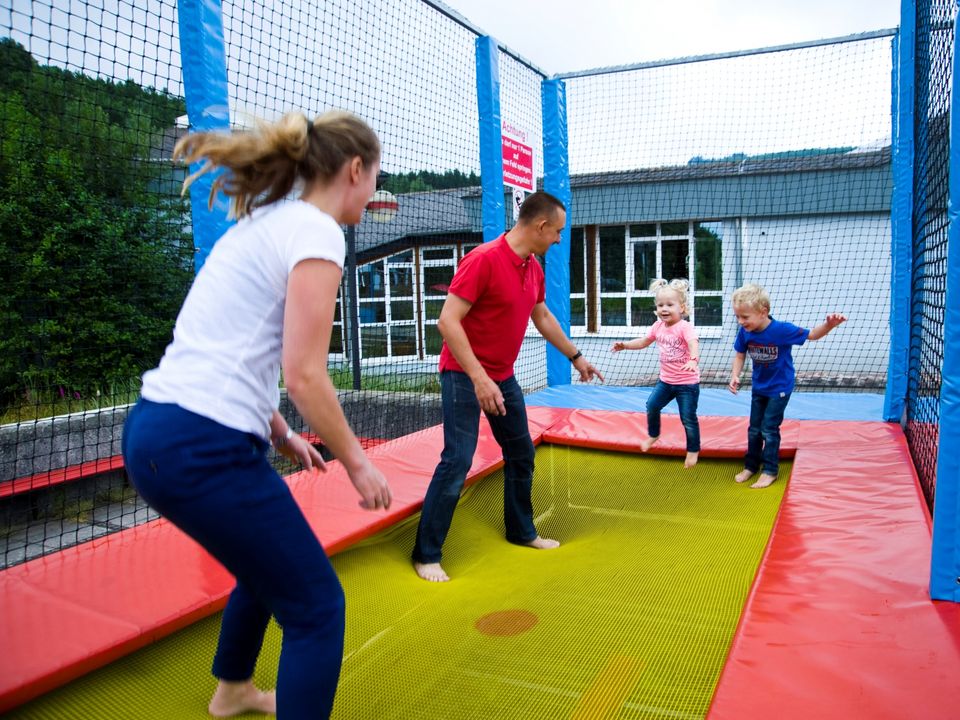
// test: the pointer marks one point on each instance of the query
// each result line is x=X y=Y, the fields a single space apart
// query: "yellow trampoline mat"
x=631 y=617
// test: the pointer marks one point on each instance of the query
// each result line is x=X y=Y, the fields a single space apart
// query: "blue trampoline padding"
x=713 y=401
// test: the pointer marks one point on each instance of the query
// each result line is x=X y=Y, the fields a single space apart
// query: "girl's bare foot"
x=648 y=443
x=764 y=481
x=691 y=460
x=431 y=572
x=743 y=475
x=236 y=698
x=543 y=543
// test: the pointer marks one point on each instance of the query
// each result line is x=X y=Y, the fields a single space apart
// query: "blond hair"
x=263 y=165
x=752 y=296
x=678 y=285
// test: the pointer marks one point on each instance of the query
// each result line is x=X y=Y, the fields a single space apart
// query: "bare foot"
x=743 y=475
x=236 y=698
x=691 y=460
x=431 y=572
x=648 y=443
x=543 y=543
x=764 y=481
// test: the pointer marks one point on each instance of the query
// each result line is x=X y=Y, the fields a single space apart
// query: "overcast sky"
x=566 y=35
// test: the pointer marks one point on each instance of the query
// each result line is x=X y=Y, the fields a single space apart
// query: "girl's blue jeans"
x=687 y=397
x=216 y=484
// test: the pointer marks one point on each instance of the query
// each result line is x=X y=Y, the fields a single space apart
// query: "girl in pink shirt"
x=679 y=372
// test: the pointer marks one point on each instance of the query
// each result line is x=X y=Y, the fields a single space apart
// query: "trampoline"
x=675 y=593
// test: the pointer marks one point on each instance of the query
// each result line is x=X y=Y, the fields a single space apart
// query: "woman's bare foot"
x=764 y=481
x=543 y=543
x=743 y=475
x=431 y=572
x=648 y=443
x=691 y=460
x=236 y=698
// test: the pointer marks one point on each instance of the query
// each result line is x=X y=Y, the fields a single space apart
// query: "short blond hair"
x=752 y=296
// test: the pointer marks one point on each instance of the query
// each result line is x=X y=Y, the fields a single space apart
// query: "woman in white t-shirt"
x=196 y=444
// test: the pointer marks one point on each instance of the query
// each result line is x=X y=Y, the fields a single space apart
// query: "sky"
x=567 y=35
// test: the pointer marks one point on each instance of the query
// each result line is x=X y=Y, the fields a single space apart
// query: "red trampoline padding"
x=839 y=623
x=720 y=437
x=71 y=612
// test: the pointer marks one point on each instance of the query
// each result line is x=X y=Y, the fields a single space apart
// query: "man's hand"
x=586 y=369
x=489 y=396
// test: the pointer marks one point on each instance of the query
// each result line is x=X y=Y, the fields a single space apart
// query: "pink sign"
x=517 y=164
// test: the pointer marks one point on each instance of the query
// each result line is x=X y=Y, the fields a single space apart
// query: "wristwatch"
x=575 y=357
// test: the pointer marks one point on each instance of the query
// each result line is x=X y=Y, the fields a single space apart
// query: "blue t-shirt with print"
x=770 y=352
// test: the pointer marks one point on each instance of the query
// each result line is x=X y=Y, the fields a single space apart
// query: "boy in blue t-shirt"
x=768 y=342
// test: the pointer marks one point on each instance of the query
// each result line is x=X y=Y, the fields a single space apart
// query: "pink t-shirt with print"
x=673 y=343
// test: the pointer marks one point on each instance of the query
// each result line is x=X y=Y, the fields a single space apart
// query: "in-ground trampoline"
x=675 y=593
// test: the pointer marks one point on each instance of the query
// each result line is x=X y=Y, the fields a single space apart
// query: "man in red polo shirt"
x=497 y=288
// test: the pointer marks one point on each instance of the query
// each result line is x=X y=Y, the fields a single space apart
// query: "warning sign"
x=517 y=162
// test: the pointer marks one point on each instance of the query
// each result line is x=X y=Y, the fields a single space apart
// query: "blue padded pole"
x=491 y=138
x=901 y=218
x=556 y=181
x=205 y=87
x=945 y=560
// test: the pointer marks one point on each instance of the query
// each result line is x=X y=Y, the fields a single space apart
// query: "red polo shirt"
x=503 y=289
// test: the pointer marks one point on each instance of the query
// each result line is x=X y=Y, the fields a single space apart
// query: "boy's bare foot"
x=236 y=698
x=543 y=543
x=648 y=443
x=691 y=460
x=431 y=572
x=743 y=475
x=764 y=481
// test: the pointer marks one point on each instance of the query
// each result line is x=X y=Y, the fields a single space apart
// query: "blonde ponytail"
x=263 y=165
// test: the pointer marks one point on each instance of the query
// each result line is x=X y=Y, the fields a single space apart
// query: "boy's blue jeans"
x=763 y=437
x=461 y=427
x=687 y=398
x=216 y=484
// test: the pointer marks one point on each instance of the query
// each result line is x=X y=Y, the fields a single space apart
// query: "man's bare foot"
x=743 y=475
x=764 y=481
x=691 y=460
x=543 y=543
x=236 y=698
x=648 y=443
x=431 y=572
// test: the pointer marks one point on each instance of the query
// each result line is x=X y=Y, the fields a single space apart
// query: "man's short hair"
x=539 y=204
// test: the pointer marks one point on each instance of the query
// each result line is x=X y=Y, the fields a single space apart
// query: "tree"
x=96 y=261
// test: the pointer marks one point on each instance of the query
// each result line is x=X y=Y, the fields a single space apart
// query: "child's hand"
x=618 y=346
x=690 y=365
x=834 y=319
x=734 y=385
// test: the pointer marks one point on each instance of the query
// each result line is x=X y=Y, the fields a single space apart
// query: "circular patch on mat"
x=506 y=622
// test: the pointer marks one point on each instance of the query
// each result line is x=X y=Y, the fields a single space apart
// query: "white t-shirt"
x=224 y=361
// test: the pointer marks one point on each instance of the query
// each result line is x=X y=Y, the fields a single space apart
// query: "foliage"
x=424 y=180
x=95 y=253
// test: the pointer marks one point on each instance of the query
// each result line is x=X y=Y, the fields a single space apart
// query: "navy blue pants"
x=763 y=436
x=216 y=484
x=461 y=429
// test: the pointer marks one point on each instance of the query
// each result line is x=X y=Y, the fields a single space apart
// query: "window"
x=437 y=266
x=631 y=256
x=578 y=267
x=386 y=307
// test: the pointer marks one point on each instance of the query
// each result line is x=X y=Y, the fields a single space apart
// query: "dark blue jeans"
x=216 y=484
x=687 y=398
x=763 y=437
x=461 y=427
